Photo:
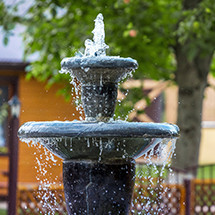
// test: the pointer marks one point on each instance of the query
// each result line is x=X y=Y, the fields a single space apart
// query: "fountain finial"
x=97 y=47
x=98 y=74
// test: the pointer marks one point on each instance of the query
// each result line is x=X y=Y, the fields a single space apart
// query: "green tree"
x=171 y=40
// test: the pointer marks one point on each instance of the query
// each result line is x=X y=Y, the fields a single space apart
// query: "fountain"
x=98 y=153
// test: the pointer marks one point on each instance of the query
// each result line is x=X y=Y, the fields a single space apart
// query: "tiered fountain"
x=98 y=153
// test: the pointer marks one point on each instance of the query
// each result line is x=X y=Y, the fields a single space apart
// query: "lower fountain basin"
x=97 y=141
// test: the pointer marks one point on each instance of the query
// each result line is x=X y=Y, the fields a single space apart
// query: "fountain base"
x=95 y=188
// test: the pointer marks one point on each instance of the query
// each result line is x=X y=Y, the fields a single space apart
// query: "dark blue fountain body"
x=98 y=153
x=98 y=140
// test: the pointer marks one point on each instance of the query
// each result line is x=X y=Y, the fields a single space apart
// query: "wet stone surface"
x=93 y=188
x=99 y=101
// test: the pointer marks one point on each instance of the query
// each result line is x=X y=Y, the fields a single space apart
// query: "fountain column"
x=103 y=185
x=97 y=188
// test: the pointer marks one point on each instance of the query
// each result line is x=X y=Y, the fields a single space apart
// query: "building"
x=41 y=104
x=37 y=104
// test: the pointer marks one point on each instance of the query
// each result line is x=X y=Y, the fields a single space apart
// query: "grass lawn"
x=206 y=172
x=203 y=172
x=3 y=212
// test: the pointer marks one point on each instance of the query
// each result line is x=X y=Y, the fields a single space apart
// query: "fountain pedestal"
x=96 y=188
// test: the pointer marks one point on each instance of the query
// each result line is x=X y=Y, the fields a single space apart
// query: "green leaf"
x=5 y=40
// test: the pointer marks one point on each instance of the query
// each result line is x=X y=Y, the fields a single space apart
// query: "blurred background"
x=173 y=42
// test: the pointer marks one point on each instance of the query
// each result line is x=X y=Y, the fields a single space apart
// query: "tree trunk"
x=191 y=77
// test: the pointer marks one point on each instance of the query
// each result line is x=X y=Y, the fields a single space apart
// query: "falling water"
x=151 y=191
x=51 y=202
x=97 y=47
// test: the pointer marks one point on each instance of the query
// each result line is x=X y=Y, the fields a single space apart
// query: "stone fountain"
x=98 y=153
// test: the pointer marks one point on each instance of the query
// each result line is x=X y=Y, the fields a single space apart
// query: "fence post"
x=13 y=153
x=187 y=185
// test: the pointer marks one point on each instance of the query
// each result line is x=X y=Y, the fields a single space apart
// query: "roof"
x=13 y=65
x=14 y=50
x=12 y=54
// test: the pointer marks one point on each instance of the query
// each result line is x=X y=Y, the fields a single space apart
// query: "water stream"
x=97 y=47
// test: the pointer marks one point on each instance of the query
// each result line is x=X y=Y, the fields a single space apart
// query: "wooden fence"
x=202 y=197
x=165 y=199
x=41 y=200
x=37 y=200
x=157 y=195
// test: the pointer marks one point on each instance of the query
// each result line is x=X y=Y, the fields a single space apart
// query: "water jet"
x=98 y=153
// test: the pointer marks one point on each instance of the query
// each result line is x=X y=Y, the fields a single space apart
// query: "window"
x=3 y=118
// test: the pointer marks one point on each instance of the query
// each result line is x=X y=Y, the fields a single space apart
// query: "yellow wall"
x=207 y=147
x=171 y=103
x=39 y=104
x=4 y=163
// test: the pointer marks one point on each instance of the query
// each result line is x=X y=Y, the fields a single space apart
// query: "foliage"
x=3 y=212
x=57 y=28
x=126 y=105
x=145 y=30
x=3 y=112
x=197 y=27
x=3 y=116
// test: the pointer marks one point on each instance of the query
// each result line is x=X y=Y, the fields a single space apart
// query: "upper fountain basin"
x=97 y=141
x=98 y=129
x=98 y=69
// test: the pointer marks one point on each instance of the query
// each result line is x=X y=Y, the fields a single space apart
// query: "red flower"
x=132 y=33
x=126 y=1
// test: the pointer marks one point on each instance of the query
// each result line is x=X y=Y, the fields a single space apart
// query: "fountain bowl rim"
x=96 y=62
x=75 y=129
